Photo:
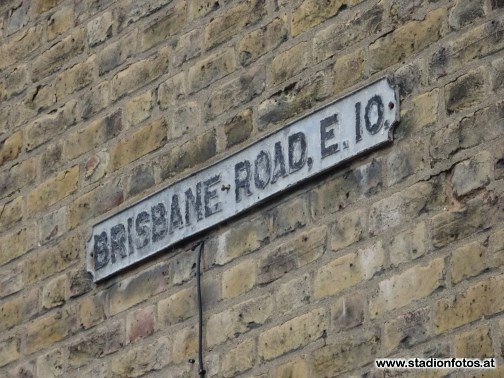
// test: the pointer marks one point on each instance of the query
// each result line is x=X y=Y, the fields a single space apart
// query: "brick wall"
x=398 y=253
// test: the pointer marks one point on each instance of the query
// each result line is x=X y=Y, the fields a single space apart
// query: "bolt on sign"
x=338 y=132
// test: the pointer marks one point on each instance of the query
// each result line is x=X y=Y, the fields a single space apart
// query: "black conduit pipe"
x=200 y=309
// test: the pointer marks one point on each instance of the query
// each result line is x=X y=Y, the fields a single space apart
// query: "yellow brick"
x=476 y=343
x=401 y=289
x=293 y=334
x=14 y=245
x=53 y=190
x=468 y=261
x=292 y=369
x=289 y=63
x=185 y=345
x=9 y=351
x=348 y=70
x=239 y=359
x=239 y=279
x=11 y=147
x=138 y=144
x=47 y=331
x=180 y=306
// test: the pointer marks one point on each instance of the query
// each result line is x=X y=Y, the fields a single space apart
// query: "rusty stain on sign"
x=336 y=133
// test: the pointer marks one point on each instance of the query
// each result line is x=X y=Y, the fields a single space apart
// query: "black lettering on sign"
x=117 y=242
x=278 y=163
x=327 y=133
x=142 y=229
x=100 y=251
x=297 y=151
x=175 y=215
x=130 y=235
x=211 y=209
x=262 y=170
x=358 y=127
x=242 y=179
x=193 y=206
x=375 y=104
x=159 y=222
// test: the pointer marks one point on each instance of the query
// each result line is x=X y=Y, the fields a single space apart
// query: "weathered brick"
x=51 y=364
x=478 y=213
x=54 y=292
x=469 y=127
x=53 y=260
x=11 y=213
x=409 y=78
x=177 y=308
x=142 y=359
x=99 y=29
x=138 y=288
x=223 y=28
x=290 y=216
x=261 y=41
x=93 y=100
x=96 y=167
x=238 y=319
x=239 y=240
x=188 y=155
x=130 y=11
x=236 y=92
x=53 y=190
x=138 y=109
x=348 y=311
x=60 y=21
x=312 y=12
x=19 y=309
x=407 y=159
x=394 y=210
x=472 y=174
x=171 y=90
x=408 y=245
x=497 y=74
x=348 y=70
x=289 y=63
x=307 y=247
x=185 y=345
x=346 y=188
x=348 y=229
x=183 y=267
x=51 y=161
x=49 y=125
x=415 y=283
x=406 y=330
x=48 y=330
x=467 y=261
x=11 y=147
x=17 y=177
x=188 y=46
x=466 y=91
x=483 y=298
x=238 y=279
x=116 y=53
x=184 y=120
x=41 y=6
x=80 y=282
x=9 y=351
x=476 y=343
x=93 y=135
x=338 y=36
x=292 y=100
x=406 y=40
x=296 y=368
x=335 y=359
x=348 y=270
x=239 y=359
x=15 y=244
x=18 y=17
x=142 y=178
x=51 y=60
x=496 y=247
x=75 y=78
x=294 y=294
x=17 y=81
x=172 y=23
x=292 y=334
x=139 y=74
x=11 y=280
x=238 y=128
x=140 y=323
x=140 y=143
x=200 y=8
x=465 y=12
x=211 y=68
x=22 y=44
x=497 y=4
x=100 y=343
x=91 y=310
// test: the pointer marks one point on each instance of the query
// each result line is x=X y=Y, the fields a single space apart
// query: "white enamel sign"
x=315 y=143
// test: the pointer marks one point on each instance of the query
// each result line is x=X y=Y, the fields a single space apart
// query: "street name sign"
x=338 y=132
